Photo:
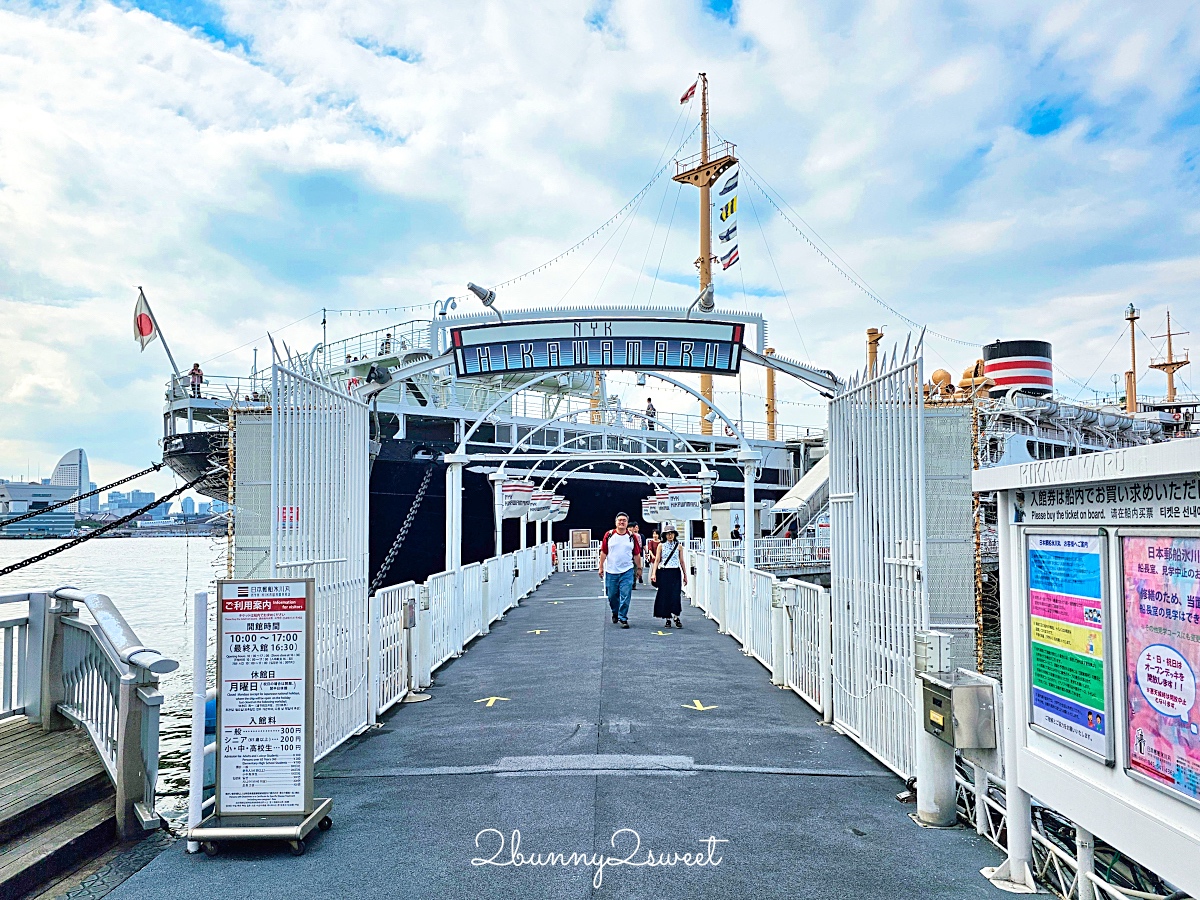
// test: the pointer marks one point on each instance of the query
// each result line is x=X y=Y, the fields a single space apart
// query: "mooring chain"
x=154 y=467
x=408 y=520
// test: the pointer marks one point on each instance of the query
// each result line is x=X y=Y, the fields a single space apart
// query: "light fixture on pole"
x=486 y=296
x=441 y=305
x=705 y=301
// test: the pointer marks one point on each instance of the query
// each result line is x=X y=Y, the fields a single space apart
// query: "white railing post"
x=374 y=623
x=52 y=688
x=722 y=597
x=131 y=774
x=31 y=678
x=485 y=599
x=199 y=701
x=780 y=663
x=425 y=637
x=825 y=649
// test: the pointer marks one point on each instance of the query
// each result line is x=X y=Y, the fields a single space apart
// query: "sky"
x=1013 y=170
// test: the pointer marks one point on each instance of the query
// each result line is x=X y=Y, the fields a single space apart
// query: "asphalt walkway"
x=607 y=743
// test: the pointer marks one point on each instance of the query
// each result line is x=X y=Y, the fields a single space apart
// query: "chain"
x=45 y=509
x=102 y=529
x=408 y=520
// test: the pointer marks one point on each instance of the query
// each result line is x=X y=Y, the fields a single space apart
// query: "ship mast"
x=1131 y=316
x=703 y=170
x=1170 y=365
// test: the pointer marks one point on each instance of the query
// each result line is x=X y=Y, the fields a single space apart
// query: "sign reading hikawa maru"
x=658 y=344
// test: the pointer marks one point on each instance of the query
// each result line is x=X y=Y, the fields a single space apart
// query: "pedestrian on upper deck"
x=197 y=378
x=651 y=414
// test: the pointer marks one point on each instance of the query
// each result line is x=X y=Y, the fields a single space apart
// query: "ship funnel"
x=1023 y=366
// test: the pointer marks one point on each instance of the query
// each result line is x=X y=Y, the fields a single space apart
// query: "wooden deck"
x=56 y=803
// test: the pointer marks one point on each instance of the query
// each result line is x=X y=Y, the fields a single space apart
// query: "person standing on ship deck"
x=197 y=379
x=620 y=555
x=669 y=574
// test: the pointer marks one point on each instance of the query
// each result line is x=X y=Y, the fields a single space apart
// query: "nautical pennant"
x=729 y=258
x=728 y=233
x=689 y=93
x=730 y=185
x=729 y=209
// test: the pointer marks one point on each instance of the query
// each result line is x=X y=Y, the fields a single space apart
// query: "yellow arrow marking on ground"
x=664 y=633
x=491 y=701
x=695 y=704
x=538 y=631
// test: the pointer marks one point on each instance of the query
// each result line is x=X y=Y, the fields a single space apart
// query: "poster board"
x=264 y=762
x=1160 y=575
x=1069 y=697
x=581 y=538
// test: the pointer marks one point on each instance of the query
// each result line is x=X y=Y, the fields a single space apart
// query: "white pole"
x=1085 y=856
x=498 y=511
x=454 y=470
x=199 y=698
x=524 y=529
x=1016 y=869
x=749 y=460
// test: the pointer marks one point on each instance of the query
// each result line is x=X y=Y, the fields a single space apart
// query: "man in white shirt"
x=620 y=559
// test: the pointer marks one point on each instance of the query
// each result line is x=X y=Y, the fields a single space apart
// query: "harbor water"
x=151 y=580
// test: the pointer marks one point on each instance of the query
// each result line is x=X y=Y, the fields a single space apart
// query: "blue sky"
x=995 y=170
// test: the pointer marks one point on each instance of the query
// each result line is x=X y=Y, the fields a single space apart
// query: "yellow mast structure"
x=702 y=171
x=1131 y=316
x=1170 y=365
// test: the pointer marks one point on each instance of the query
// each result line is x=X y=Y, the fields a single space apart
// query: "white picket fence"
x=415 y=628
x=784 y=624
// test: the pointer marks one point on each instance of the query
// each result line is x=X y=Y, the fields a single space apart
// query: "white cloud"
x=351 y=154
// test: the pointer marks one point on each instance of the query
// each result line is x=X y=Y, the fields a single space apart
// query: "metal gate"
x=877 y=521
x=319 y=495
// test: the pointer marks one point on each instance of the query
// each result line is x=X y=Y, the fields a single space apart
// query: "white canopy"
x=806 y=489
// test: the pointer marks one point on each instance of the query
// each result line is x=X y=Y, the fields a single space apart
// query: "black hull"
x=396 y=477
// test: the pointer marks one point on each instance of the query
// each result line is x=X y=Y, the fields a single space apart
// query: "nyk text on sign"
x=660 y=344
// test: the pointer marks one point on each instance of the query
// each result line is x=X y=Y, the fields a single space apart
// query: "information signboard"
x=264 y=706
x=1069 y=688
x=657 y=344
x=1161 y=575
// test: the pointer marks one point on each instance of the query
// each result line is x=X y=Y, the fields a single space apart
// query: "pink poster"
x=1162 y=658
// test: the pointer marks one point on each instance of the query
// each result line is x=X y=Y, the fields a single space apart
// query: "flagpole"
x=162 y=337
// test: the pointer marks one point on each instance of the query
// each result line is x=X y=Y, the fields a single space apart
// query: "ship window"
x=572 y=440
x=613 y=443
x=553 y=437
x=522 y=433
x=485 y=433
x=596 y=442
x=503 y=434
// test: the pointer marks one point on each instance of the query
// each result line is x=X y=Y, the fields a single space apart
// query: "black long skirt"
x=667 y=601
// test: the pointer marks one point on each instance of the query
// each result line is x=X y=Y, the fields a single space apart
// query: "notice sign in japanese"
x=1066 y=629
x=263 y=698
x=1152 y=501
x=1162 y=657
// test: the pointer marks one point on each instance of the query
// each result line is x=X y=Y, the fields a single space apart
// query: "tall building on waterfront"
x=72 y=472
x=187 y=506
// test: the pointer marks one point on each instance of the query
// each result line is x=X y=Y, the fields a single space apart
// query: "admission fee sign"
x=264 y=706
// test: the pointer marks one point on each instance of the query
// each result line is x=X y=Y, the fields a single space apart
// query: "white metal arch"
x=590 y=457
x=579 y=412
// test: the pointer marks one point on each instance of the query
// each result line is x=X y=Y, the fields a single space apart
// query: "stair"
x=56 y=805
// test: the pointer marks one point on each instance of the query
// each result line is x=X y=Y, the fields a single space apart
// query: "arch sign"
x=679 y=345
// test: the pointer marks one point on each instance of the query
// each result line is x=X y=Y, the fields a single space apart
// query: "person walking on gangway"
x=669 y=573
x=620 y=556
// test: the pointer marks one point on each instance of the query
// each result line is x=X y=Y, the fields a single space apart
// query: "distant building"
x=219 y=506
x=188 y=506
x=91 y=505
x=205 y=508
x=72 y=472
x=17 y=499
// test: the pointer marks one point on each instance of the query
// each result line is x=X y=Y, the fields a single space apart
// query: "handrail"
x=123 y=638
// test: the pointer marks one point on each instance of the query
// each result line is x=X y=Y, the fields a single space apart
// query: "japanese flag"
x=144 y=329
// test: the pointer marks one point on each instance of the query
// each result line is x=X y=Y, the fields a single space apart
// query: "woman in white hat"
x=669 y=573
